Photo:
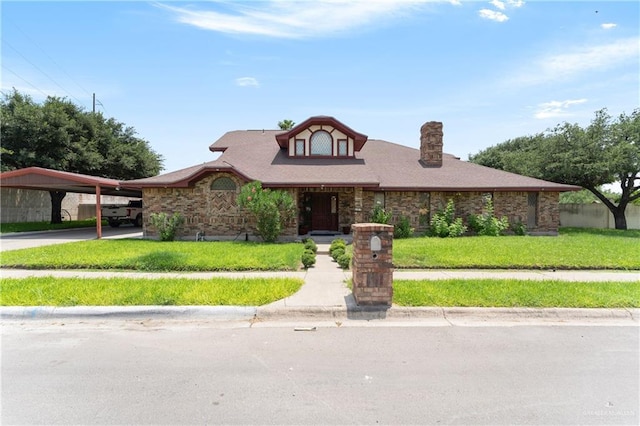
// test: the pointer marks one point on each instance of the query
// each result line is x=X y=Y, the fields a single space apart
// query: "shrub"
x=344 y=261
x=380 y=215
x=167 y=226
x=486 y=223
x=445 y=224
x=337 y=253
x=308 y=259
x=271 y=209
x=337 y=243
x=309 y=244
x=519 y=228
x=403 y=228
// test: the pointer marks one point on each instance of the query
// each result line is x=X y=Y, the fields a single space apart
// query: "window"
x=342 y=147
x=300 y=147
x=321 y=143
x=532 y=210
x=223 y=184
x=378 y=199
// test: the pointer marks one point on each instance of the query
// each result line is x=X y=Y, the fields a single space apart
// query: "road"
x=207 y=372
x=21 y=240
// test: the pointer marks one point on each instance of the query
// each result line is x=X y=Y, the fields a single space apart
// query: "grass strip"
x=151 y=255
x=53 y=291
x=572 y=249
x=516 y=293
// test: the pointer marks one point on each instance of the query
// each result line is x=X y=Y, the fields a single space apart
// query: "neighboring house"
x=337 y=176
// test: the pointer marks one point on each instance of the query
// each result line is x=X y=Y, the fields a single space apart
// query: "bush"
x=309 y=244
x=519 y=228
x=308 y=259
x=339 y=251
x=344 y=261
x=335 y=244
x=445 y=224
x=403 y=228
x=379 y=215
x=486 y=223
x=271 y=209
x=167 y=226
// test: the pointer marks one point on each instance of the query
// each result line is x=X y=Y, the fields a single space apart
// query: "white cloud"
x=294 y=19
x=493 y=15
x=515 y=3
x=247 y=81
x=498 y=4
x=608 y=26
x=556 y=108
x=580 y=60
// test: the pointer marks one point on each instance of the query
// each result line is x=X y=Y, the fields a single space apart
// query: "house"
x=337 y=175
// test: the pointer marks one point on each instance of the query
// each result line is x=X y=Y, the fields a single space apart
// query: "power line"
x=49 y=56
x=29 y=83
x=38 y=68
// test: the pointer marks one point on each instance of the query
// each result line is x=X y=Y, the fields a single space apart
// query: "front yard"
x=573 y=249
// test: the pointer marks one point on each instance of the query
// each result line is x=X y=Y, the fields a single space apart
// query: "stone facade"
x=216 y=213
x=213 y=212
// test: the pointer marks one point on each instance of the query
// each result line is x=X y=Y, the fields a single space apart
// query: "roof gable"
x=322 y=120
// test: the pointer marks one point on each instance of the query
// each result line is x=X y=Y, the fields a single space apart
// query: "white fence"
x=596 y=216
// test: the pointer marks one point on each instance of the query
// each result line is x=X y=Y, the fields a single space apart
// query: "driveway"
x=20 y=240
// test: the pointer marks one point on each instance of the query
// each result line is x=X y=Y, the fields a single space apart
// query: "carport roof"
x=37 y=178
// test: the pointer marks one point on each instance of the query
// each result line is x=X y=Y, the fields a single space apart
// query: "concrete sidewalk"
x=325 y=296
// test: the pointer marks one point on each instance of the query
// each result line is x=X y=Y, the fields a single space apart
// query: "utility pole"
x=94 y=103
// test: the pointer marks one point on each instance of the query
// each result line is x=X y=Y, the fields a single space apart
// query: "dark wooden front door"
x=324 y=211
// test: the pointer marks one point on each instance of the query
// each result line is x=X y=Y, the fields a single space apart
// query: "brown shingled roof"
x=256 y=155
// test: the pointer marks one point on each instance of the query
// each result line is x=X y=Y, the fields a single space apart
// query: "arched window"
x=321 y=143
x=223 y=184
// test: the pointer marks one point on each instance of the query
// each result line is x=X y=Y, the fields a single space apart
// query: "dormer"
x=321 y=137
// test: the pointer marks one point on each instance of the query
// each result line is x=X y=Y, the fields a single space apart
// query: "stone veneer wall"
x=419 y=207
x=214 y=212
x=217 y=214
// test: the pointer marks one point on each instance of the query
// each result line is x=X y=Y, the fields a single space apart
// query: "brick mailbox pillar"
x=372 y=264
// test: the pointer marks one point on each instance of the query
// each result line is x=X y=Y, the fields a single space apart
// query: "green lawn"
x=49 y=291
x=516 y=293
x=572 y=249
x=148 y=255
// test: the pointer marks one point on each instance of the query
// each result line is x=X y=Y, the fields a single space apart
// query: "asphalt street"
x=208 y=372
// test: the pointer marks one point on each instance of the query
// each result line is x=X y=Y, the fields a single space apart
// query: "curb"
x=367 y=313
x=210 y=312
x=453 y=313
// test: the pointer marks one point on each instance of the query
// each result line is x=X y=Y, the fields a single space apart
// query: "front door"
x=324 y=211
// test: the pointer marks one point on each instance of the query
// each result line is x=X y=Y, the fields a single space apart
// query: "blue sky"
x=184 y=73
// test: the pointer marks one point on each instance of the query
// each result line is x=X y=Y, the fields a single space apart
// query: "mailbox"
x=376 y=245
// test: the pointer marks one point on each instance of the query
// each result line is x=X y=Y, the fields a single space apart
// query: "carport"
x=40 y=179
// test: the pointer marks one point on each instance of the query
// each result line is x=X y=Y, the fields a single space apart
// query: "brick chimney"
x=431 y=144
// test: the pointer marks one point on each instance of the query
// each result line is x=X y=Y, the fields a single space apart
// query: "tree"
x=604 y=152
x=286 y=124
x=59 y=135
